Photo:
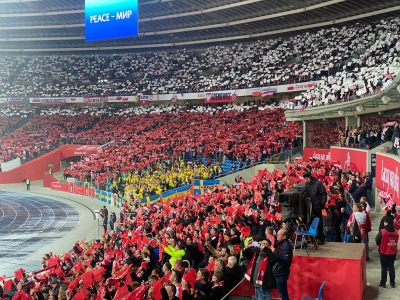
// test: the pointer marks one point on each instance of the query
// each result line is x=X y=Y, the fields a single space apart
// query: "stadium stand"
x=352 y=61
x=367 y=70
x=183 y=233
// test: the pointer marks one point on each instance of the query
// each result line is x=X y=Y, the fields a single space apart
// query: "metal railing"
x=349 y=199
x=230 y=292
x=362 y=145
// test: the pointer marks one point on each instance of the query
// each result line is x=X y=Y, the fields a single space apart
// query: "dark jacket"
x=216 y=293
x=132 y=260
x=164 y=295
x=269 y=281
x=191 y=252
x=368 y=183
x=284 y=257
x=358 y=193
x=388 y=134
x=316 y=191
x=372 y=140
x=353 y=186
x=235 y=274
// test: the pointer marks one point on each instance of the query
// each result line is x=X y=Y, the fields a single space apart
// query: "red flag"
x=59 y=271
x=246 y=231
x=22 y=295
x=98 y=274
x=121 y=293
x=81 y=295
x=210 y=266
x=201 y=248
x=73 y=285
x=160 y=252
x=138 y=293
x=157 y=289
x=3 y=277
x=8 y=284
x=87 y=279
x=78 y=267
x=67 y=255
x=216 y=220
x=167 y=276
x=52 y=261
x=18 y=273
x=190 y=277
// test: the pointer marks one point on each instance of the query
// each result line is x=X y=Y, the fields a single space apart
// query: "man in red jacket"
x=387 y=240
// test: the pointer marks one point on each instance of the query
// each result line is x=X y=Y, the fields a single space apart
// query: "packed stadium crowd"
x=194 y=142
x=350 y=61
x=201 y=246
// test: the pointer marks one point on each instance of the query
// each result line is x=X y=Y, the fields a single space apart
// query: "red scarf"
x=217 y=285
x=261 y=271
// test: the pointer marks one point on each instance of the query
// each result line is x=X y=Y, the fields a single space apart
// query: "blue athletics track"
x=29 y=223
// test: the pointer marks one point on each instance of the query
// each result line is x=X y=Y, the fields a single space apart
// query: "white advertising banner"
x=9 y=165
x=255 y=92
x=120 y=99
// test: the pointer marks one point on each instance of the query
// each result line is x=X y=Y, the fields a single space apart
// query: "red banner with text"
x=387 y=175
x=60 y=186
x=316 y=153
x=349 y=158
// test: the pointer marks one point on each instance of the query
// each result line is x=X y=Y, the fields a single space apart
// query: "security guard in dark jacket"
x=387 y=240
x=317 y=195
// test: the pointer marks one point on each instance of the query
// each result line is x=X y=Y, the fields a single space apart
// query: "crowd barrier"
x=199 y=187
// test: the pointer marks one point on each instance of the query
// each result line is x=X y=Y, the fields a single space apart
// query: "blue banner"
x=110 y=19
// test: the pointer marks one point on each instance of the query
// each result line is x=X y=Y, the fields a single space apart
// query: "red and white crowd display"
x=387 y=175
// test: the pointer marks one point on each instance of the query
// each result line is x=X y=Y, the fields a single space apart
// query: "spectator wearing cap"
x=387 y=241
x=317 y=195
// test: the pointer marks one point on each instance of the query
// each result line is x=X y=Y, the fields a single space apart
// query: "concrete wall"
x=248 y=173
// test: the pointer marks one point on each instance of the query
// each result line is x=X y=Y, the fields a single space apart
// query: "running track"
x=27 y=224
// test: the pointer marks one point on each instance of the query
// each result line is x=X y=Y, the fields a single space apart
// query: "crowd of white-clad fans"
x=350 y=61
x=367 y=72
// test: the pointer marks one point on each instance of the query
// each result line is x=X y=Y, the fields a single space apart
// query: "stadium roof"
x=58 y=25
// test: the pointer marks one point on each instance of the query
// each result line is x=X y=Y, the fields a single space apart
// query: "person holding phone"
x=259 y=271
